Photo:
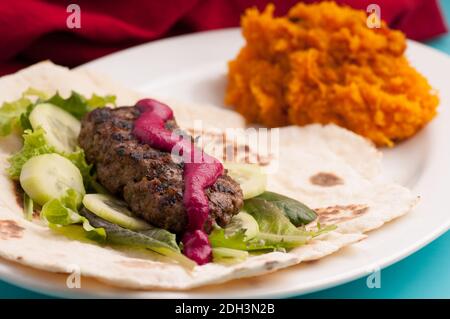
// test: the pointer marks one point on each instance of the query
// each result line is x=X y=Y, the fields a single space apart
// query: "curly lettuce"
x=14 y=115
x=77 y=105
x=64 y=212
x=10 y=115
x=35 y=144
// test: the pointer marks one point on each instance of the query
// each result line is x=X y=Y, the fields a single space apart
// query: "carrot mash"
x=322 y=64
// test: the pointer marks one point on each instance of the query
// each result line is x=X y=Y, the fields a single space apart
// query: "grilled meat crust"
x=147 y=179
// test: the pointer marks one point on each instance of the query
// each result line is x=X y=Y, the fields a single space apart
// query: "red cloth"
x=33 y=30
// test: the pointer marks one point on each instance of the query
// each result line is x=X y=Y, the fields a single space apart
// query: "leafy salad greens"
x=268 y=221
x=14 y=115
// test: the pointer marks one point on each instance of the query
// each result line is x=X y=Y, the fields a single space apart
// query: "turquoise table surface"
x=425 y=274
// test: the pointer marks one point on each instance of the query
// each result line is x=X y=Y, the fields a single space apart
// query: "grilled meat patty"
x=146 y=178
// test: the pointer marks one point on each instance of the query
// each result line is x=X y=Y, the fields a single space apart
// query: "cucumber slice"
x=50 y=176
x=61 y=128
x=114 y=211
x=250 y=177
x=241 y=221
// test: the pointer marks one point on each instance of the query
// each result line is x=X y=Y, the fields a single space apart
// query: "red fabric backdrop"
x=33 y=30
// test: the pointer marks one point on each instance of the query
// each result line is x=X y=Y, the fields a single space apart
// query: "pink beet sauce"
x=200 y=172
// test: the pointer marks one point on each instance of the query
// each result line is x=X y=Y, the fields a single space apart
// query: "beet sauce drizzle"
x=200 y=172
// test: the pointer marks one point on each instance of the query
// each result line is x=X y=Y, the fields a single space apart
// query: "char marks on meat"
x=147 y=179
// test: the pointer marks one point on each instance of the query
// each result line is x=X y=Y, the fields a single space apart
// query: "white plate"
x=193 y=68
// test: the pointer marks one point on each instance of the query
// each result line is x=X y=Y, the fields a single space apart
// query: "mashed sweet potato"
x=322 y=64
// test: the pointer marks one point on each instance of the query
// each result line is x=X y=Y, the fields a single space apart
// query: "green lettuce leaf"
x=96 y=101
x=14 y=115
x=32 y=92
x=73 y=232
x=78 y=158
x=237 y=240
x=78 y=105
x=25 y=118
x=275 y=229
x=34 y=144
x=238 y=234
x=10 y=114
x=64 y=212
x=265 y=242
x=298 y=213
x=39 y=97
x=228 y=256
x=28 y=205
x=155 y=239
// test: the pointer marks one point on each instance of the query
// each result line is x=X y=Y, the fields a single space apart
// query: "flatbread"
x=327 y=167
